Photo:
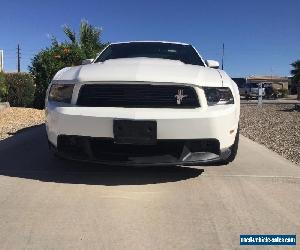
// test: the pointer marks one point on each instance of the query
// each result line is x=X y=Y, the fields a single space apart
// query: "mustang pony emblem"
x=180 y=96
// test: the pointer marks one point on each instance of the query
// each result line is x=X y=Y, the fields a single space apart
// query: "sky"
x=261 y=37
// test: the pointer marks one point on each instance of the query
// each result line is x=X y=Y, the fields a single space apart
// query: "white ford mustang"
x=144 y=103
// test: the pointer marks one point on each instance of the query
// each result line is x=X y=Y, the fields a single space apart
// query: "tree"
x=89 y=38
x=296 y=71
x=59 y=55
x=296 y=75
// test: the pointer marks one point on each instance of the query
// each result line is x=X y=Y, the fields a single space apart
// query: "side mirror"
x=87 y=61
x=212 y=64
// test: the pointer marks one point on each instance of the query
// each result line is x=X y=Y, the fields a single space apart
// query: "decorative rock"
x=276 y=126
x=14 y=119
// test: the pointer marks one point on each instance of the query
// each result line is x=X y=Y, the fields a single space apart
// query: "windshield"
x=171 y=51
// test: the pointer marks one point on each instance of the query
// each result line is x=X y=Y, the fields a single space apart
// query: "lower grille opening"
x=109 y=150
x=105 y=150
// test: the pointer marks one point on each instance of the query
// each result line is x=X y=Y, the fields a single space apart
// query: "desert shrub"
x=20 y=92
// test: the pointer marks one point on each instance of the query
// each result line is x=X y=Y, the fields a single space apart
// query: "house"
x=277 y=82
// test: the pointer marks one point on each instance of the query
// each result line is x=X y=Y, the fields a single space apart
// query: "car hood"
x=142 y=70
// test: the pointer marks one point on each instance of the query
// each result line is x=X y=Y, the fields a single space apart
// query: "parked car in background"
x=250 y=90
x=270 y=93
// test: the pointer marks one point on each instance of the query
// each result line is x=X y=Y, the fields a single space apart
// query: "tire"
x=233 y=148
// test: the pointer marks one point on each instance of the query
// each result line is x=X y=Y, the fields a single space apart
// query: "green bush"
x=20 y=92
x=3 y=88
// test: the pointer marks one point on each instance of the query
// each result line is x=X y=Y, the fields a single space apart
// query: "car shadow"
x=26 y=155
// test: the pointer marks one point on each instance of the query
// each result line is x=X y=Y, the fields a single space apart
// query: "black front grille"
x=137 y=96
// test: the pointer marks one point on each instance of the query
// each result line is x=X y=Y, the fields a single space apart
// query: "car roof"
x=151 y=42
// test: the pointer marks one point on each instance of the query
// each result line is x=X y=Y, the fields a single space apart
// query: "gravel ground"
x=15 y=119
x=275 y=126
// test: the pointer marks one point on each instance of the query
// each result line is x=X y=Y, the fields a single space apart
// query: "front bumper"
x=165 y=152
x=178 y=130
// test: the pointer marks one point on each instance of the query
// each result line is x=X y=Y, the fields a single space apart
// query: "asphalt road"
x=49 y=204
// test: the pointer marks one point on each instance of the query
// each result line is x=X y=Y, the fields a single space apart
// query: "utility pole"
x=18 y=59
x=1 y=60
x=223 y=51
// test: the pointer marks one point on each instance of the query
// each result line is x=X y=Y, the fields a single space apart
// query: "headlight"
x=217 y=96
x=61 y=93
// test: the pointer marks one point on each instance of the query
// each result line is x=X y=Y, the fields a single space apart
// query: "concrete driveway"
x=51 y=204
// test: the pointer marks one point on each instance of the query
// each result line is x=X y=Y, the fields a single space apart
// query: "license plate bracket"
x=141 y=132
